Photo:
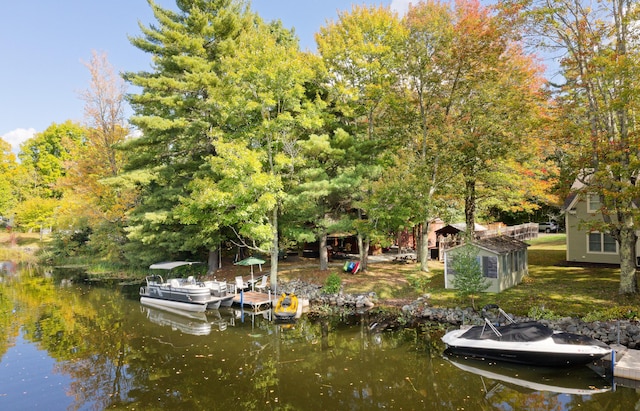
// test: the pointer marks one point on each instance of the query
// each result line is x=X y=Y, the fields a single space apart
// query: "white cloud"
x=18 y=136
x=401 y=6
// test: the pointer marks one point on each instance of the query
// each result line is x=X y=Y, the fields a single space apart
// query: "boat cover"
x=520 y=332
x=170 y=265
x=576 y=339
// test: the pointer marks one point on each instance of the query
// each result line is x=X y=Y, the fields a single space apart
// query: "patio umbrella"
x=251 y=261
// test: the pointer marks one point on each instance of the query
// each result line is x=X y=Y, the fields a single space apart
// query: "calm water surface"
x=74 y=347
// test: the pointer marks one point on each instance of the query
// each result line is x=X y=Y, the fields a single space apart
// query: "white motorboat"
x=179 y=293
x=525 y=343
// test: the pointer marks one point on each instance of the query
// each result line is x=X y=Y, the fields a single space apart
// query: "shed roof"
x=499 y=245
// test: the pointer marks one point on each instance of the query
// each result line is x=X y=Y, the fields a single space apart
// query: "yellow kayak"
x=286 y=306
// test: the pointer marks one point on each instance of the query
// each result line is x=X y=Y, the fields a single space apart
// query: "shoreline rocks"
x=623 y=332
x=314 y=294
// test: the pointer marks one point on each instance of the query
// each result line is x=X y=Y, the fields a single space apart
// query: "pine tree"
x=178 y=114
x=468 y=278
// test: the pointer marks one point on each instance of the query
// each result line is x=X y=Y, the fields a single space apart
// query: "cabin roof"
x=457 y=228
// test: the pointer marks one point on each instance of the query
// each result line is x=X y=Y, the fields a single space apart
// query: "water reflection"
x=183 y=321
x=115 y=353
x=8 y=268
x=494 y=376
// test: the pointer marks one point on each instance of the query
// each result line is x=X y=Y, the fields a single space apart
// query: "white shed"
x=503 y=261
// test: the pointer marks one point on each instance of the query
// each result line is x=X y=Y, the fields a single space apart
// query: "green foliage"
x=45 y=154
x=107 y=240
x=468 y=280
x=614 y=313
x=69 y=243
x=36 y=213
x=362 y=54
x=420 y=282
x=332 y=284
x=8 y=178
x=541 y=313
x=179 y=114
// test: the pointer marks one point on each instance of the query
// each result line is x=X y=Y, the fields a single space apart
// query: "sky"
x=43 y=45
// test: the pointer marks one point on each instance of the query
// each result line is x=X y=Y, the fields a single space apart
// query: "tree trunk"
x=470 y=206
x=363 y=252
x=212 y=261
x=628 y=238
x=324 y=256
x=424 y=246
x=364 y=260
x=416 y=240
x=273 y=272
x=360 y=247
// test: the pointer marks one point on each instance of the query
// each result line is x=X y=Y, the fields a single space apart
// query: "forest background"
x=240 y=139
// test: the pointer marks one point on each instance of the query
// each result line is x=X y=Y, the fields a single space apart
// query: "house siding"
x=578 y=235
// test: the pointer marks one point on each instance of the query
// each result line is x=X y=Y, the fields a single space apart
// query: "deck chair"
x=240 y=284
x=262 y=285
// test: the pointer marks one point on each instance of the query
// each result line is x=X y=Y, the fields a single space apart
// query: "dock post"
x=613 y=366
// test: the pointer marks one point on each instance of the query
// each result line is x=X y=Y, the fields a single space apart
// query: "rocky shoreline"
x=623 y=332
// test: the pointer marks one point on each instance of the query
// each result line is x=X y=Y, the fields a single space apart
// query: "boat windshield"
x=520 y=332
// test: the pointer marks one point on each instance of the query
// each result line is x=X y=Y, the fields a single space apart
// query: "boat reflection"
x=193 y=323
x=579 y=380
x=8 y=267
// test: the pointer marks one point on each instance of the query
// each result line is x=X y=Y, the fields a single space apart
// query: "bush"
x=418 y=282
x=70 y=243
x=540 y=313
x=614 y=313
x=333 y=283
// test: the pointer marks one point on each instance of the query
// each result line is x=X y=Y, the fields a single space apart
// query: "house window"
x=449 y=262
x=602 y=243
x=593 y=203
x=490 y=266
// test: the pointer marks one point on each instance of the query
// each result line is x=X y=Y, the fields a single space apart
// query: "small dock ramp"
x=254 y=300
x=627 y=366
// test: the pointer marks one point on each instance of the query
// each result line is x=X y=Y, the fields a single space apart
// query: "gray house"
x=585 y=245
x=503 y=261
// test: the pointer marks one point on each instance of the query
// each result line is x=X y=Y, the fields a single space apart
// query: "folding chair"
x=240 y=284
x=262 y=285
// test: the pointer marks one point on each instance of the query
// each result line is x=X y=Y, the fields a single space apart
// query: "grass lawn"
x=567 y=290
x=552 y=284
x=19 y=246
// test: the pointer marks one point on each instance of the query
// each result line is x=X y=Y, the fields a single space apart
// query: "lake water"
x=66 y=346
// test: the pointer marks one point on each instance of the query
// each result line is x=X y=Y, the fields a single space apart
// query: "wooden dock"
x=627 y=366
x=253 y=299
